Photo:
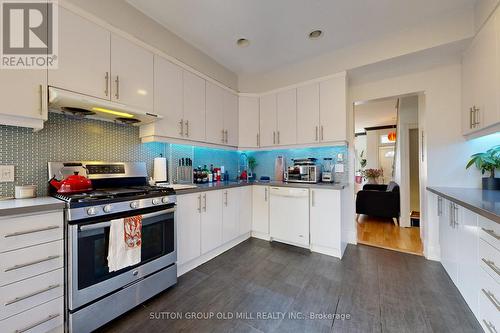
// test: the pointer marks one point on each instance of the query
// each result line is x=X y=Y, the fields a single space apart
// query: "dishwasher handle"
x=289 y=192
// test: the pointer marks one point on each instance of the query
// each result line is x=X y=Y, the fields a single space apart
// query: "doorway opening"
x=387 y=186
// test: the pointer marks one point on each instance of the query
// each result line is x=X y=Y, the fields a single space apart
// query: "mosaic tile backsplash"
x=65 y=139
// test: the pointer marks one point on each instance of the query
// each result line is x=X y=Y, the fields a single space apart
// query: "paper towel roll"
x=160 y=169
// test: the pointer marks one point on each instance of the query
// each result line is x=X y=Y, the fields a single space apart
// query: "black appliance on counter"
x=94 y=295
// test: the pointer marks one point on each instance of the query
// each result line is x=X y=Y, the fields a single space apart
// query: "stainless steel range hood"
x=82 y=106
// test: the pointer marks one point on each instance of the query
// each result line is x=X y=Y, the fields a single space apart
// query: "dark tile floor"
x=381 y=291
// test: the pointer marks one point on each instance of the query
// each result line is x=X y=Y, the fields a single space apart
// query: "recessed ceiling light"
x=242 y=42
x=315 y=34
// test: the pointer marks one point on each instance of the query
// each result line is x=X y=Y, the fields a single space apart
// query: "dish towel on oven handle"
x=124 y=247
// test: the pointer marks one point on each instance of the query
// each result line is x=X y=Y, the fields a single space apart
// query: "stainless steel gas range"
x=95 y=295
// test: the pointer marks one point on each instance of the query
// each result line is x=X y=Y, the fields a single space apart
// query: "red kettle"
x=72 y=184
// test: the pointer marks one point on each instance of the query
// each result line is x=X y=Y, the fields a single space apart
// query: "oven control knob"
x=107 y=209
x=165 y=199
x=91 y=211
x=134 y=204
x=156 y=201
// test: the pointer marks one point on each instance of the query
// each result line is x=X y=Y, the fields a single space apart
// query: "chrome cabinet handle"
x=31 y=263
x=182 y=127
x=265 y=194
x=106 y=79
x=470 y=118
x=32 y=231
x=227 y=137
x=199 y=203
x=222 y=139
x=476 y=116
x=204 y=202
x=322 y=133
x=490 y=326
x=491 y=264
x=117 y=93
x=22 y=298
x=38 y=323
x=491 y=233
x=440 y=206
x=274 y=137
x=491 y=297
x=455 y=219
x=187 y=128
x=317 y=135
x=278 y=137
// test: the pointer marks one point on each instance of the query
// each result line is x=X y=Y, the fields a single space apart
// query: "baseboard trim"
x=326 y=251
x=261 y=235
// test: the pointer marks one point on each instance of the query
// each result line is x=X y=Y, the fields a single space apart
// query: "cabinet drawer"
x=489 y=259
x=489 y=303
x=28 y=230
x=43 y=318
x=35 y=260
x=21 y=296
x=490 y=232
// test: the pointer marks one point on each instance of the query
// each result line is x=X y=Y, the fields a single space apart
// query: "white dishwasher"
x=289 y=215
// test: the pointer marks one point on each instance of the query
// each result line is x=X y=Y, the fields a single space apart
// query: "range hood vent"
x=78 y=106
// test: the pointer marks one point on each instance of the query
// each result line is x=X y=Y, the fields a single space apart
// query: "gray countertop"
x=26 y=206
x=483 y=202
x=224 y=185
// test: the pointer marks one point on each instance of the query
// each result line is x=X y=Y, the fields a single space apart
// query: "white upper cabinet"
x=286 y=115
x=267 y=120
x=231 y=119
x=332 y=109
x=215 y=114
x=168 y=100
x=84 y=57
x=23 y=96
x=194 y=107
x=131 y=74
x=308 y=113
x=248 y=113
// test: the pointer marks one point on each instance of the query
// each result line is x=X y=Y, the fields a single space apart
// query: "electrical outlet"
x=339 y=168
x=6 y=173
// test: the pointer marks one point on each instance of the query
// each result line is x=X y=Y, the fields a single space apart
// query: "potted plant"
x=372 y=175
x=488 y=161
x=252 y=164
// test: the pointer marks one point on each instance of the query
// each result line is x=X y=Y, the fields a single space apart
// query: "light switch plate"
x=339 y=168
x=6 y=173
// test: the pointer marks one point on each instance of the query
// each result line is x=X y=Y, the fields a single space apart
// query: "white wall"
x=445 y=150
x=123 y=16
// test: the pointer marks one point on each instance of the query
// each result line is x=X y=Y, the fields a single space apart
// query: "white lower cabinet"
x=245 y=209
x=230 y=223
x=211 y=221
x=448 y=238
x=260 y=211
x=188 y=227
x=325 y=221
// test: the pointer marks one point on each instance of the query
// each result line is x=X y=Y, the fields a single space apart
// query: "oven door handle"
x=108 y=223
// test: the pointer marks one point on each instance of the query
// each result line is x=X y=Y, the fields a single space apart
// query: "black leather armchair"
x=379 y=200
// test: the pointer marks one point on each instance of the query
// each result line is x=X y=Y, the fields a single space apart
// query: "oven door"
x=88 y=275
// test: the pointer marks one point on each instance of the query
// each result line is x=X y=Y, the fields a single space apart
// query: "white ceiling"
x=278 y=29
x=375 y=113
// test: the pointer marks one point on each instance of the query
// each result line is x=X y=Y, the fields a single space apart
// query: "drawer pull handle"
x=38 y=323
x=491 y=265
x=26 y=232
x=13 y=268
x=492 y=298
x=22 y=298
x=491 y=233
x=490 y=326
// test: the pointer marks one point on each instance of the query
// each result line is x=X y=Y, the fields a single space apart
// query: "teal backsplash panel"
x=266 y=159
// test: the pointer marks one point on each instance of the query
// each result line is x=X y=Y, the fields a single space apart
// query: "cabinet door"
x=211 y=221
x=245 y=209
x=267 y=120
x=168 y=98
x=188 y=227
x=286 y=106
x=84 y=57
x=194 y=107
x=215 y=114
x=308 y=113
x=325 y=218
x=132 y=74
x=23 y=96
x=467 y=253
x=468 y=90
x=332 y=110
x=231 y=118
x=260 y=209
x=448 y=240
x=230 y=223
x=248 y=114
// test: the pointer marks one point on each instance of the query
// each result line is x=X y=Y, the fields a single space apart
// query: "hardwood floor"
x=383 y=233
x=380 y=291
